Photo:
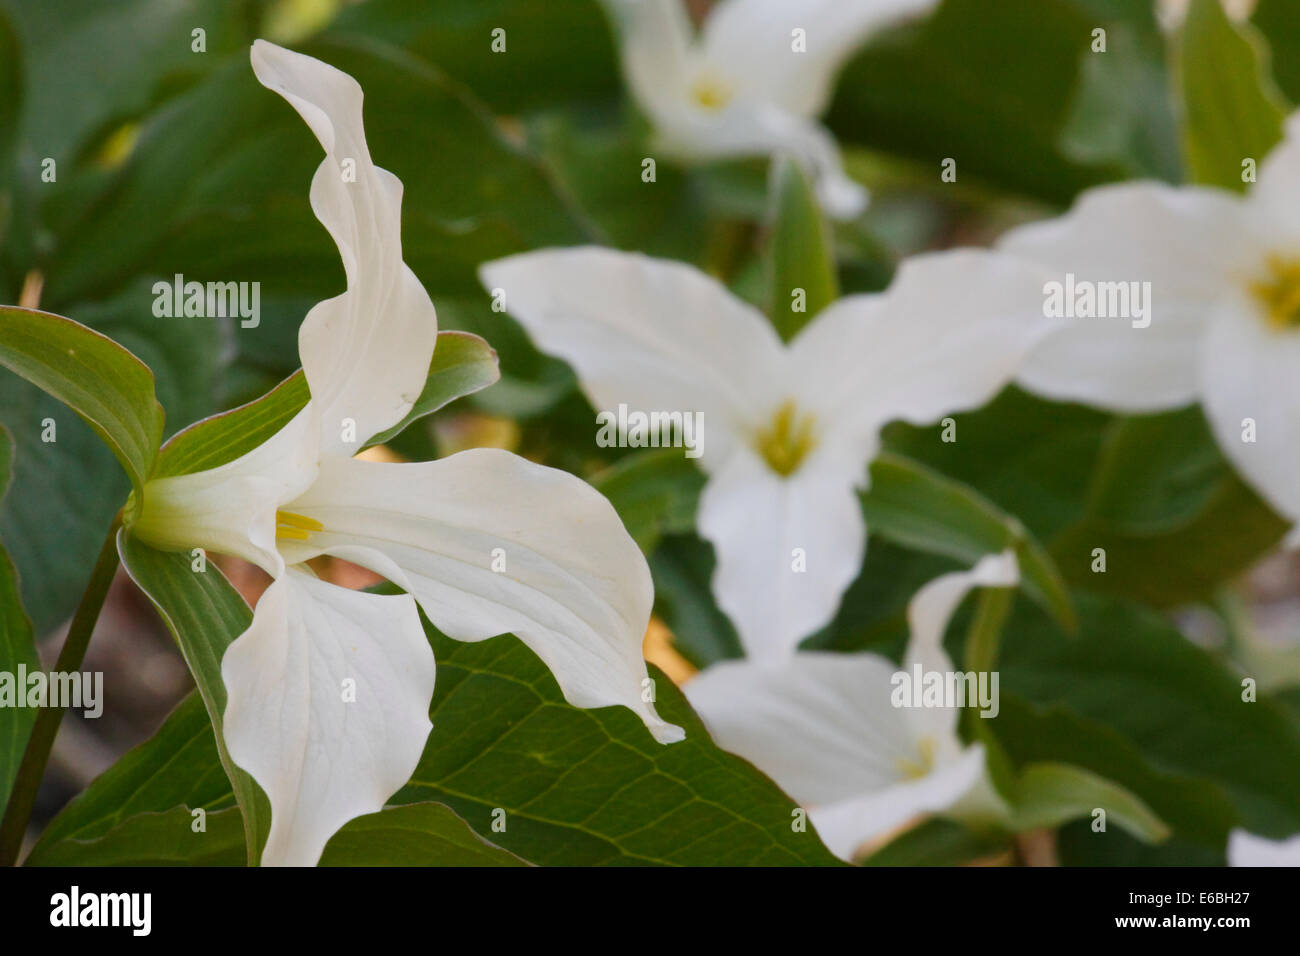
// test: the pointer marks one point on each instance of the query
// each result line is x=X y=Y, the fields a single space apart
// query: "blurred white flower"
x=1224 y=325
x=1173 y=12
x=754 y=79
x=575 y=588
x=1246 y=849
x=791 y=428
x=822 y=726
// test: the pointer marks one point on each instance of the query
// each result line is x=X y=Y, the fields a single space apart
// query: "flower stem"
x=46 y=727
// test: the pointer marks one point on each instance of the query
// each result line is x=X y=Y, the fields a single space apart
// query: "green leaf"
x=682 y=567
x=1129 y=670
x=418 y=834
x=422 y=834
x=1276 y=19
x=592 y=787
x=912 y=505
x=179 y=766
x=111 y=389
x=205 y=615
x=17 y=648
x=1049 y=794
x=802 y=256
x=1232 y=111
x=939 y=842
x=461 y=364
x=654 y=492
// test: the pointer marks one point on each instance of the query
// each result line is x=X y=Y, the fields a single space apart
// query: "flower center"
x=914 y=769
x=786 y=441
x=1279 y=292
x=710 y=92
x=295 y=527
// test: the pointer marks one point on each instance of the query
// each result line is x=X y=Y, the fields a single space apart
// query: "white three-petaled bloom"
x=825 y=728
x=1246 y=849
x=754 y=80
x=791 y=428
x=1222 y=318
x=576 y=589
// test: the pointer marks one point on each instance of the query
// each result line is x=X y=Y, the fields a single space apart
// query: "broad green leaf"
x=912 y=505
x=205 y=615
x=154 y=839
x=1195 y=808
x=422 y=834
x=111 y=389
x=1232 y=111
x=1128 y=669
x=461 y=364
x=178 y=766
x=654 y=492
x=968 y=80
x=802 y=257
x=1279 y=21
x=458 y=36
x=590 y=787
x=17 y=648
x=418 y=834
x=1049 y=794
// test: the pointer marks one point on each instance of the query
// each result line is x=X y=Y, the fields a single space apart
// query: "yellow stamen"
x=913 y=769
x=1279 y=292
x=710 y=92
x=295 y=527
x=786 y=442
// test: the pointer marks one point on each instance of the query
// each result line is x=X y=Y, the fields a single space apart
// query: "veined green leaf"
x=1232 y=111
x=94 y=376
x=418 y=834
x=205 y=615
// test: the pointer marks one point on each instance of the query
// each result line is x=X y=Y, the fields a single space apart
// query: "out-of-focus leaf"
x=1232 y=111
x=17 y=648
x=654 y=492
x=1049 y=794
x=802 y=259
x=1279 y=22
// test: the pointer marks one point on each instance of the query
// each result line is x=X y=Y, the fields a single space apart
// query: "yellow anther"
x=710 y=92
x=914 y=769
x=296 y=527
x=786 y=442
x=1279 y=292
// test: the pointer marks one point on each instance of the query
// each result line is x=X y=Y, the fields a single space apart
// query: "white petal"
x=1275 y=199
x=1188 y=243
x=575 y=587
x=366 y=352
x=1246 y=849
x=1250 y=372
x=822 y=726
x=651 y=334
x=231 y=509
x=952 y=329
x=757 y=521
x=753 y=40
x=928 y=614
x=321 y=757
x=654 y=41
x=846 y=827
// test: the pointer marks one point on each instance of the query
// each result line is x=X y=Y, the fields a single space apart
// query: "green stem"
x=46 y=727
x=984 y=639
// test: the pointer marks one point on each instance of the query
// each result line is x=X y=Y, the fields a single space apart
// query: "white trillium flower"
x=791 y=428
x=822 y=725
x=1246 y=849
x=576 y=590
x=1224 y=321
x=746 y=85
